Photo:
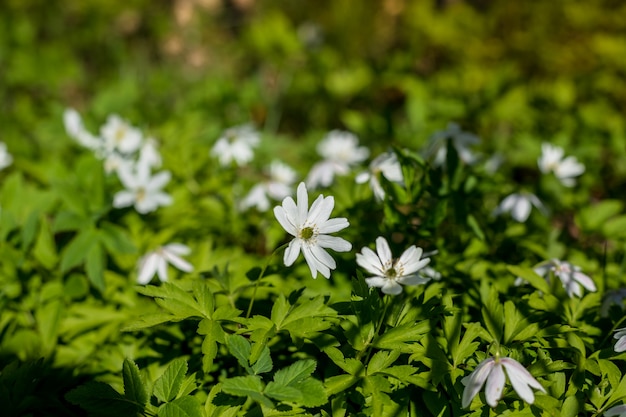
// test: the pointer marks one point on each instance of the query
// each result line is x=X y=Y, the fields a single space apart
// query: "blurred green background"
x=515 y=73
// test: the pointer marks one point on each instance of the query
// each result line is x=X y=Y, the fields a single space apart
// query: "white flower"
x=571 y=277
x=310 y=229
x=388 y=166
x=492 y=370
x=617 y=411
x=389 y=273
x=438 y=145
x=119 y=135
x=278 y=186
x=551 y=159
x=142 y=190
x=156 y=262
x=76 y=130
x=519 y=205
x=340 y=151
x=620 y=335
x=236 y=145
x=6 y=158
x=612 y=297
x=429 y=273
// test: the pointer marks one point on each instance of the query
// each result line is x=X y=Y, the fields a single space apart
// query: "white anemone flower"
x=620 y=335
x=236 y=144
x=149 y=154
x=388 y=166
x=277 y=186
x=570 y=275
x=438 y=145
x=119 y=135
x=155 y=262
x=492 y=371
x=551 y=160
x=617 y=411
x=6 y=158
x=341 y=151
x=389 y=273
x=519 y=205
x=310 y=229
x=143 y=190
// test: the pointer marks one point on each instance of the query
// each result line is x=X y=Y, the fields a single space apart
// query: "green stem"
x=379 y=325
x=261 y=275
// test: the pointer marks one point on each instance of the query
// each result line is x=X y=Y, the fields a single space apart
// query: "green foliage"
x=242 y=334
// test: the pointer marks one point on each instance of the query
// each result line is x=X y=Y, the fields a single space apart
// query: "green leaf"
x=115 y=239
x=529 y=275
x=99 y=399
x=339 y=383
x=240 y=348
x=148 y=320
x=264 y=362
x=167 y=386
x=78 y=249
x=181 y=407
x=247 y=386
x=400 y=337
x=295 y=372
x=204 y=297
x=350 y=365
x=134 y=388
x=95 y=266
x=173 y=298
x=45 y=249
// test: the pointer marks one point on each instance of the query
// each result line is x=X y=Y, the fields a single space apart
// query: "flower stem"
x=261 y=275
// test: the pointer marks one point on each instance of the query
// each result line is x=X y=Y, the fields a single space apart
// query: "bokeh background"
x=515 y=73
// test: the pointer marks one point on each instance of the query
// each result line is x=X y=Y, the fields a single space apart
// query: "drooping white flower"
x=6 y=158
x=310 y=229
x=388 y=166
x=341 y=151
x=620 y=335
x=519 y=205
x=390 y=274
x=551 y=160
x=570 y=275
x=118 y=135
x=155 y=262
x=612 y=297
x=277 y=186
x=617 y=411
x=76 y=130
x=492 y=371
x=143 y=190
x=236 y=144
x=438 y=145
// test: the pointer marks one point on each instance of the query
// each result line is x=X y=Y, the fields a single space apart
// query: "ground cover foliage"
x=463 y=96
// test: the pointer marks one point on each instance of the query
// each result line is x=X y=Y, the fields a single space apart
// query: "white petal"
x=162 y=269
x=314 y=264
x=495 y=385
x=320 y=210
x=378 y=282
x=292 y=252
x=521 y=380
x=620 y=345
x=159 y=180
x=284 y=219
x=147 y=268
x=333 y=225
x=302 y=204
x=123 y=198
x=384 y=253
x=475 y=381
x=177 y=261
x=412 y=280
x=521 y=210
x=335 y=243
x=391 y=287
x=584 y=280
x=323 y=256
x=617 y=411
x=369 y=261
x=178 y=248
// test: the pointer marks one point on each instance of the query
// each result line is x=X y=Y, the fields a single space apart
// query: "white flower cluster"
x=6 y=158
x=126 y=152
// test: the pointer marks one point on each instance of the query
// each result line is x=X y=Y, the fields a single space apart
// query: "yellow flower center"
x=307 y=233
